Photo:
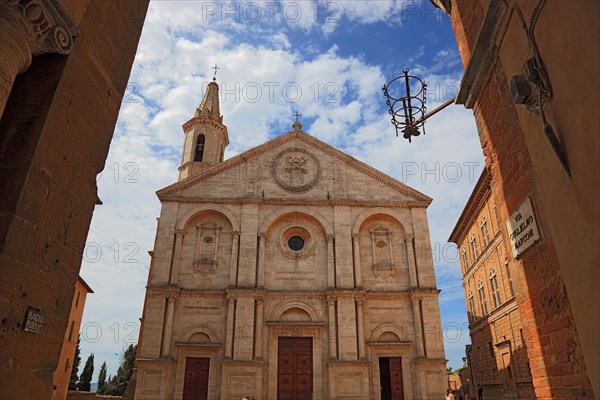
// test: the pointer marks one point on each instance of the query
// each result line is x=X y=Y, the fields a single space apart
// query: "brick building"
x=62 y=374
x=531 y=78
x=498 y=360
x=288 y=272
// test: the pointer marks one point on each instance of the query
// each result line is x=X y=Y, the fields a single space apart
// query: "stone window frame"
x=304 y=232
x=474 y=246
x=495 y=288
x=465 y=257
x=509 y=276
x=472 y=305
x=199 y=148
x=485 y=232
x=481 y=291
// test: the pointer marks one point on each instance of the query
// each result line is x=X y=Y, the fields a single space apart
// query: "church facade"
x=291 y=271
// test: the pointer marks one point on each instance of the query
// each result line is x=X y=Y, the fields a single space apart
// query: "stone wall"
x=56 y=127
x=77 y=395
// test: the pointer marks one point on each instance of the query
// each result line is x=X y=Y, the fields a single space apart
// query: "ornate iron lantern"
x=406 y=97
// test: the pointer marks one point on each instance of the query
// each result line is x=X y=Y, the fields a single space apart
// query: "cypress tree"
x=86 y=376
x=102 y=379
x=75 y=366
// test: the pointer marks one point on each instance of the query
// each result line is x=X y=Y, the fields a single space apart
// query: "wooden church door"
x=294 y=368
x=390 y=378
x=195 y=384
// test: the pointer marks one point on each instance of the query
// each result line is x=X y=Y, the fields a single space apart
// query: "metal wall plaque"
x=522 y=228
x=35 y=321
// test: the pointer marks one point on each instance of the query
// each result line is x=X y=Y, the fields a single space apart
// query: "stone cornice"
x=164 y=290
x=291 y=202
x=309 y=140
x=480 y=193
x=483 y=55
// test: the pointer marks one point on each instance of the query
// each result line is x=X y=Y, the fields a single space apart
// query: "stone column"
x=234 y=259
x=29 y=29
x=168 y=328
x=410 y=254
x=360 y=301
x=418 y=325
x=259 y=334
x=332 y=334
x=330 y=262
x=357 y=271
x=229 y=327
x=260 y=279
x=176 y=257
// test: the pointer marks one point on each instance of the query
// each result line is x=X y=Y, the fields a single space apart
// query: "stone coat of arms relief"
x=296 y=170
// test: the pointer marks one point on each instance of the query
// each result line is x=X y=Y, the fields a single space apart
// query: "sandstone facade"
x=289 y=271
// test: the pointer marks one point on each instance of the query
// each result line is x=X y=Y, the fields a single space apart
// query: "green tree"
x=118 y=383
x=102 y=379
x=86 y=376
x=75 y=367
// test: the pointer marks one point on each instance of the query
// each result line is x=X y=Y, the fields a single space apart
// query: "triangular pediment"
x=294 y=166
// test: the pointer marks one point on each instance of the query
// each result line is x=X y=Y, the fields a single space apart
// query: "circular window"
x=296 y=243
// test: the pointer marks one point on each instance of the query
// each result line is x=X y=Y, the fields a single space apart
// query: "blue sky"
x=276 y=58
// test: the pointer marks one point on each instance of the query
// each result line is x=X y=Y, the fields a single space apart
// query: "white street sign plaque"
x=522 y=228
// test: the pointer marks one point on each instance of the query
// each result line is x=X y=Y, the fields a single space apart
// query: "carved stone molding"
x=43 y=26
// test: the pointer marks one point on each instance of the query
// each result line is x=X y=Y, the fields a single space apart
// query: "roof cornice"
x=480 y=192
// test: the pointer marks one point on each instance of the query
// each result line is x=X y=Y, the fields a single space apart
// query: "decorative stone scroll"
x=296 y=170
x=46 y=27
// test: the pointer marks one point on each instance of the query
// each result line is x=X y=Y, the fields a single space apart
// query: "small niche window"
x=71 y=331
x=77 y=300
x=207 y=247
x=199 y=152
x=296 y=243
x=381 y=243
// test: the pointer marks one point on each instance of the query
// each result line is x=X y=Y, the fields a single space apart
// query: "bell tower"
x=205 y=135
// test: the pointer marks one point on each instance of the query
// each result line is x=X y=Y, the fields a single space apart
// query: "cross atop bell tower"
x=205 y=135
